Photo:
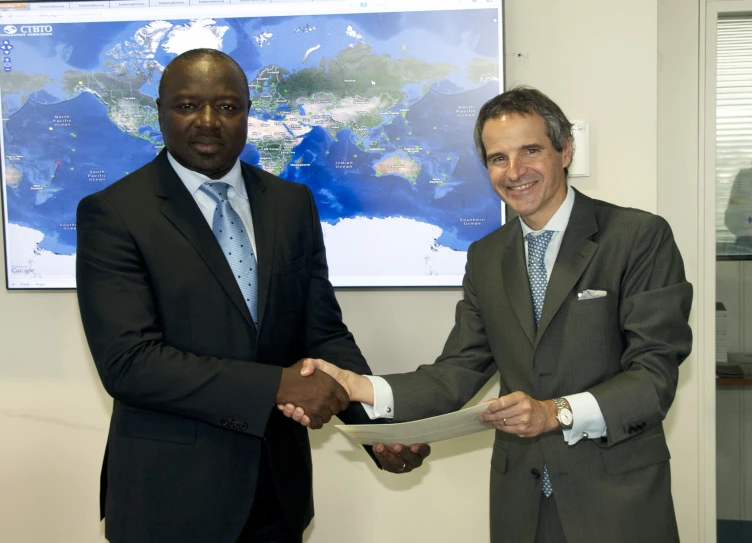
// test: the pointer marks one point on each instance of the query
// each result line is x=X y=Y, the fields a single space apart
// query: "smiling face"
x=203 y=114
x=525 y=169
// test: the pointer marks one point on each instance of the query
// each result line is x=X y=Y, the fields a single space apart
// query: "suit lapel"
x=516 y=282
x=264 y=214
x=577 y=249
x=181 y=210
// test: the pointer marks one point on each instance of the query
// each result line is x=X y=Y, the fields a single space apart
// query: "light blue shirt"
x=237 y=194
x=588 y=418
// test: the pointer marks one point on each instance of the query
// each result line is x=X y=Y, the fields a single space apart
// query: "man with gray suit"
x=582 y=307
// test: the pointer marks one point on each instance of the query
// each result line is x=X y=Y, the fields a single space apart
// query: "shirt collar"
x=557 y=223
x=193 y=180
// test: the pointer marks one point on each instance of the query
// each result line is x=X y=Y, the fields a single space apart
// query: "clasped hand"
x=318 y=394
x=395 y=458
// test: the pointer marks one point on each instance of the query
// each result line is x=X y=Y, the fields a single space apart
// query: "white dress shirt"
x=237 y=195
x=588 y=418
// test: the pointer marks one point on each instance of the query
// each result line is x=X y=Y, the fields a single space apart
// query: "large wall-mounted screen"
x=370 y=104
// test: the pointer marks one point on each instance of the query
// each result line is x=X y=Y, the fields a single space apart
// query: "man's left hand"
x=519 y=414
x=399 y=458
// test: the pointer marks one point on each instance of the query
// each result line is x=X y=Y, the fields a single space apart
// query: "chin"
x=208 y=162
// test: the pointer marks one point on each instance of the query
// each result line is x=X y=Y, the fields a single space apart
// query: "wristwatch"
x=563 y=413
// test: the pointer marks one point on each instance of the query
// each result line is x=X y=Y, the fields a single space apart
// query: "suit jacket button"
x=631 y=430
x=223 y=422
x=244 y=426
x=535 y=473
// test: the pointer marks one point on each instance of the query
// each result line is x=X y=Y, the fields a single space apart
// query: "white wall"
x=599 y=61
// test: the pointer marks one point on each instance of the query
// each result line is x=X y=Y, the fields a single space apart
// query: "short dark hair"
x=196 y=54
x=524 y=101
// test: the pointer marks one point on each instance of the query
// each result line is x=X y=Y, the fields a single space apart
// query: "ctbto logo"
x=27 y=30
x=36 y=29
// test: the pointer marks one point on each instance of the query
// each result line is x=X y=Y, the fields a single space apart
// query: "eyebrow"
x=193 y=95
x=522 y=148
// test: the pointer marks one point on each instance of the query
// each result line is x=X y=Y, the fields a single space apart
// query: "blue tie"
x=235 y=243
x=536 y=271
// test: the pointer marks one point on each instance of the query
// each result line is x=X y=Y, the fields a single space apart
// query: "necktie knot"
x=217 y=191
x=537 y=245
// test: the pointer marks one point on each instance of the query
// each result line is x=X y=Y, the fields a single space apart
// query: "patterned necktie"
x=536 y=268
x=536 y=271
x=235 y=243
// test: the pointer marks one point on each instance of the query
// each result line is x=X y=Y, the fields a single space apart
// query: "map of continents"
x=374 y=112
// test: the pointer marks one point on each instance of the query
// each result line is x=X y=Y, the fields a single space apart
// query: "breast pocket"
x=595 y=306
x=594 y=315
x=592 y=327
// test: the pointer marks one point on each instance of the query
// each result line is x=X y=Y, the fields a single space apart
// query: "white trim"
x=682 y=200
x=706 y=280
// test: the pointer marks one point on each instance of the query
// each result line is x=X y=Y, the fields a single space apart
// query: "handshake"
x=312 y=397
x=313 y=390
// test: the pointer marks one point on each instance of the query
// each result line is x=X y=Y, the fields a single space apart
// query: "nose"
x=514 y=169
x=207 y=116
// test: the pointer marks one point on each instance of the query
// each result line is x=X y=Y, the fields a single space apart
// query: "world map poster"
x=373 y=111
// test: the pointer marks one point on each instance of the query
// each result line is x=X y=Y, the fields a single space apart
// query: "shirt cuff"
x=588 y=418
x=383 y=399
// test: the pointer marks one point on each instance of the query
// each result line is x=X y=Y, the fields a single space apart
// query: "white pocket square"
x=590 y=294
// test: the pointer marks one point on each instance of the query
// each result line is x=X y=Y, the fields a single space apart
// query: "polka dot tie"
x=536 y=271
x=536 y=268
x=235 y=243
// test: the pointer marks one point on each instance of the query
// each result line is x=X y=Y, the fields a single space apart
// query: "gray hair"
x=524 y=101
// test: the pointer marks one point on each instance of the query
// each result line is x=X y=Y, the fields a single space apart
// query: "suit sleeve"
x=327 y=336
x=654 y=311
x=122 y=326
x=464 y=366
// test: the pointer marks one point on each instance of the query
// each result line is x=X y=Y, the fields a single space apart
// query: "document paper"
x=460 y=423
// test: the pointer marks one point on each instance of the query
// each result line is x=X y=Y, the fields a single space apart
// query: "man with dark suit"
x=582 y=307
x=201 y=281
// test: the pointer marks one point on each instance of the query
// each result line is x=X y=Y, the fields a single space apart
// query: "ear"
x=160 y=112
x=567 y=152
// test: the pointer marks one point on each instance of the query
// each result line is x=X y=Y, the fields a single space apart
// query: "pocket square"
x=590 y=294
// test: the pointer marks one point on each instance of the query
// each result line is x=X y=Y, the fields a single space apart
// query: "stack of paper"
x=721 y=327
